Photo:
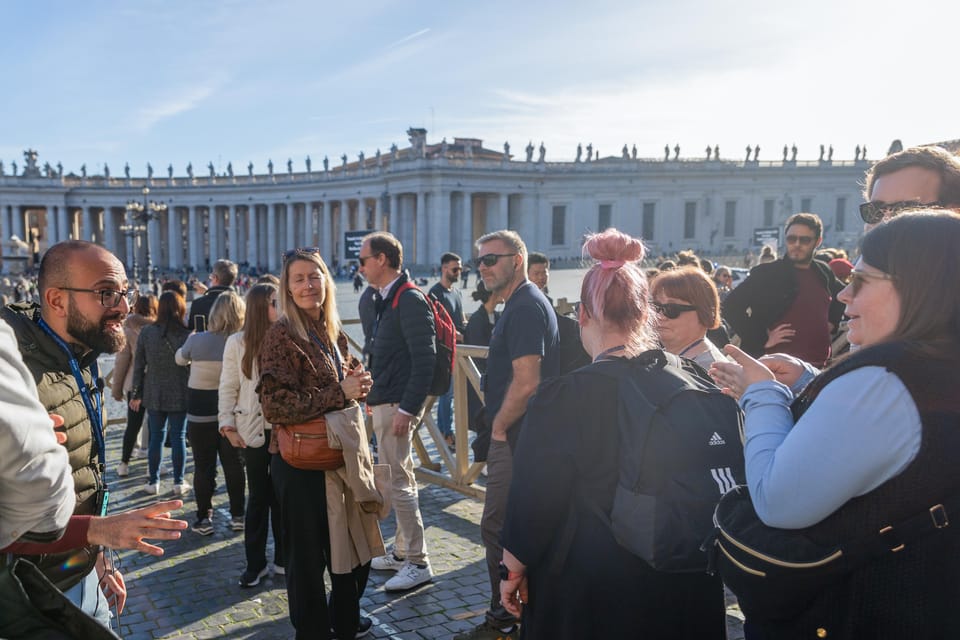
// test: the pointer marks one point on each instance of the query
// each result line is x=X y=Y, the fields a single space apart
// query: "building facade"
x=435 y=198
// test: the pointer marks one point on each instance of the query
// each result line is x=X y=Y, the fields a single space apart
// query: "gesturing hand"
x=734 y=377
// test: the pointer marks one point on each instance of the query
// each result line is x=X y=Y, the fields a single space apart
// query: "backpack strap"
x=406 y=286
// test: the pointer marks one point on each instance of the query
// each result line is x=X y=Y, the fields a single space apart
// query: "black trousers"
x=306 y=542
x=207 y=443
x=134 y=423
x=263 y=509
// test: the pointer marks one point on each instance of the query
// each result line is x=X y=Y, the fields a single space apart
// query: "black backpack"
x=680 y=451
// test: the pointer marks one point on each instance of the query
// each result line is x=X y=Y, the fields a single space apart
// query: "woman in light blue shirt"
x=871 y=441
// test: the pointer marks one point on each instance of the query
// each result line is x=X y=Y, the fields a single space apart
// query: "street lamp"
x=141 y=213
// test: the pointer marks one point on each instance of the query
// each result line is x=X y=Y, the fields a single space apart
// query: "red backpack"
x=445 y=340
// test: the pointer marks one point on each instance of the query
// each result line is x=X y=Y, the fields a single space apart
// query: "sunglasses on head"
x=302 y=251
x=490 y=259
x=672 y=310
x=875 y=212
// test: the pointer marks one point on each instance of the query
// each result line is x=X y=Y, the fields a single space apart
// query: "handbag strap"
x=895 y=537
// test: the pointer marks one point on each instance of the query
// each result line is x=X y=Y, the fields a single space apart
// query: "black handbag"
x=777 y=573
x=32 y=608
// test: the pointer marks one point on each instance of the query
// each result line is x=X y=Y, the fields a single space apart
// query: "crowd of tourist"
x=836 y=446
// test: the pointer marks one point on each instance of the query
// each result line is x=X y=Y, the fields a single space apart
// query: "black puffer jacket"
x=403 y=351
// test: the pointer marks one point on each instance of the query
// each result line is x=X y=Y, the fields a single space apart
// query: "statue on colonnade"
x=230 y=169
x=106 y=171
x=856 y=155
x=126 y=170
x=543 y=151
x=709 y=152
x=1 y=168
x=506 y=150
x=190 y=170
x=361 y=158
x=149 y=171
x=830 y=154
x=530 y=151
x=343 y=159
x=785 y=152
x=756 y=153
x=289 y=165
x=633 y=152
x=14 y=165
x=749 y=151
x=326 y=164
x=716 y=152
x=270 y=166
x=579 y=152
x=394 y=152
x=625 y=152
x=379 y=159
x=250 y=169
x=211 y=169
x=59 y=169
x=793 y=153
x=170 y=171
x=676 y=151
x=823 y=150
x=308 y=164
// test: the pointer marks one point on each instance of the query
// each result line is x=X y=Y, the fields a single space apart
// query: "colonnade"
x=257 y=232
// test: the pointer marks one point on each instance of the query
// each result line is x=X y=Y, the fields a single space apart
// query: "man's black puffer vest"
x=915 y=592
x=58 y=392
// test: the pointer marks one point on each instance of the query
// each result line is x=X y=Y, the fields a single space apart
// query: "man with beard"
x=523 y=351
x=789 y=305
x=84 y=298
x=449 y=296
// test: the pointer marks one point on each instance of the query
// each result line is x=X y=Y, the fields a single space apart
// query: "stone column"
x=109 y=231
x=174 y=238
x=439 y=227
x=87 y=225
x=308 y=238
x=234 y=235
x=252 y=245
x=272 y=262
x=325 y=235
x=466 y=228
x=503 y=215
x=424 y=252
x=194 y=236
x=341 y=232
x=396 y=224
x=155 y=248
x=53 y=229
x=292 y=240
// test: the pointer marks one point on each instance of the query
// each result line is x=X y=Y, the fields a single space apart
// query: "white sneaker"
x=278 y=570
x=409 y=576
x=138 y=454
x=388 y=562
x=181 y=489
x=152 y=489
x=123 y=470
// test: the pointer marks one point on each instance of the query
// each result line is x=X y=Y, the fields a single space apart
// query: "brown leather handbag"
x=305 y=446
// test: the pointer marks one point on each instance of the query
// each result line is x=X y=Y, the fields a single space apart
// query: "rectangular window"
x=690 y=220
x=806 y=204
x=649 y=213
x=604 y=217
x=559 y=234
x=730 y=219
x=768 y=206
x=840 y=223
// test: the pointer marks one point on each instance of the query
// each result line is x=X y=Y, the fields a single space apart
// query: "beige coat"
x=239 y=404
x=353 y=499
x=122 y=381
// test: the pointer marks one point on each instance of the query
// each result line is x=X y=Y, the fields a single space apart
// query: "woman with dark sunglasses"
x=869 y=443
x=686 y=305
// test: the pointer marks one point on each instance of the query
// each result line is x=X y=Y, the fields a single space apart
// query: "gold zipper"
x=782 y=563
x=739 y=564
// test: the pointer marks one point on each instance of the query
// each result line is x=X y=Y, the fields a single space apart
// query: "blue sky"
x=177 y=82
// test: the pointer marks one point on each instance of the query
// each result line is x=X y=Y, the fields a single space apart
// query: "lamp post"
x=141 y=213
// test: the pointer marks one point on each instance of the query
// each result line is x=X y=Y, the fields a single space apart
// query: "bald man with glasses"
x=789 y=305
x=84 y=299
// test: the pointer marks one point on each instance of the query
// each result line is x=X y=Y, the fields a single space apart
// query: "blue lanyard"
x=335 y=356
x=94 y=405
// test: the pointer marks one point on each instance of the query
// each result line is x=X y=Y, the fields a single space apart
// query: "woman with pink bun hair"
x=563 y=571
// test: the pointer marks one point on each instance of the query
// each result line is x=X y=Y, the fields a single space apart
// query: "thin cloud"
x=189 y=98
x=406 y=39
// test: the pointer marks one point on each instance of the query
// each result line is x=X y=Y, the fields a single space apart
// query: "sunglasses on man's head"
x=302 y=251
x=490 y=259
x=672 y=310
x=875 y=212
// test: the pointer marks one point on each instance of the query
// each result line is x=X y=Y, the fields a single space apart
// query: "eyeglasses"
x=671 y=310
x=804 y=240
x=303 y=251
x=456 y=270
x=110 y=298
x=363 y=259
x=859 y=278
x=490 y=259
x=875 y=212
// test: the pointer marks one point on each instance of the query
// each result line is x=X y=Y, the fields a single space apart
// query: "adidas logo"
x=715 y=439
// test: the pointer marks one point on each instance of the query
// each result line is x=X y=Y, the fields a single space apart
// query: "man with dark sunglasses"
x=918 y=177
x=523 y=351
x=790 y=305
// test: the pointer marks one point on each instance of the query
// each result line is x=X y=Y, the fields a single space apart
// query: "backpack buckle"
x=939 y=516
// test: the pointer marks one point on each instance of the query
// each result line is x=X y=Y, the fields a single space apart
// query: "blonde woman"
x=242 y=423
x=203 y=352
x=306 y=371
